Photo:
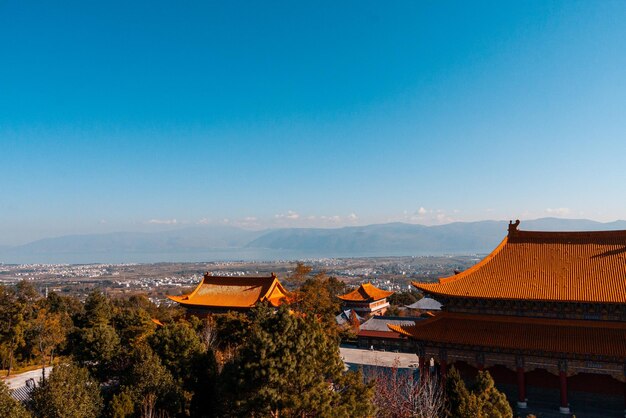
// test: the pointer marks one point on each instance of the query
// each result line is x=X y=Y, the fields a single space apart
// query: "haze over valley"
x=223 y=243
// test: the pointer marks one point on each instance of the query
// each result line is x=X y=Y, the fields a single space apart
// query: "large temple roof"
x=510 y=333
x=365 y=293
x=545 y=266
x=234 y=292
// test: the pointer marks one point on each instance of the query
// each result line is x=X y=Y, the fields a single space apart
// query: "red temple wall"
x=595 y=383
x=503 y=375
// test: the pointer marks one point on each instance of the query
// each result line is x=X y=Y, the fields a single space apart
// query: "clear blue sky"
x=138 y=115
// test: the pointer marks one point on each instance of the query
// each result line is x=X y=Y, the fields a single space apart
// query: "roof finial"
x=513 y=226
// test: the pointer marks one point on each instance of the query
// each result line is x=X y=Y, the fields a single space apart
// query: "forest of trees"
x=127 y=357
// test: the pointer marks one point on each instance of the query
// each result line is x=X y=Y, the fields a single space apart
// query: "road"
x=19 y=380
x=377 y=358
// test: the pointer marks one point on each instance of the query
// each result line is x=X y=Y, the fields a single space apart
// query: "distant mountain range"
x=213 y=243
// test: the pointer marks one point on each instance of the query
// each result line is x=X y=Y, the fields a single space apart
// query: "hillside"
x=211 y=243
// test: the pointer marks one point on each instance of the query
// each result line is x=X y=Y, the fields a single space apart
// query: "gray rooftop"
x=379 y=323
x=345 y=317
x=426 y=304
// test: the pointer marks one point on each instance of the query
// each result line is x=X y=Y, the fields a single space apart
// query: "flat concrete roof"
x=377 y=358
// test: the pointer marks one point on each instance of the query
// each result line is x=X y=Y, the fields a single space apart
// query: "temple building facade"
x=217 y=294
x=367 y=300
x=543 y=310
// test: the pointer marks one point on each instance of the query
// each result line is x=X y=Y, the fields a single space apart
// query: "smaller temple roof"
x=366 y=292
x=426 y=304
x=234 y=292
x=580 y=338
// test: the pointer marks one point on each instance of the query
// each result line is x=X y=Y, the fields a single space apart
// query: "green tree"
x=354 y=397
x=318 y=297
x=69 y=305
x=150 y=384
x=98 y=310
x=393 y=310
x=133 y=325
x=12 y=326
x=300 y=273
x=9 y=407
x=178 y=346
x=203 y=385
x=99 y=343
x=459 y=401
x=97 y=346
x=26 y=293
x=483 y=401
x=121 y=405
x=46 y=334
x=288 y=366
x=404 y=298
x=69 y=392
x=231 y=328
x=492 y=403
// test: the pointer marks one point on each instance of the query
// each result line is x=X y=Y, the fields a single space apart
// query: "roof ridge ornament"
x=513 y=227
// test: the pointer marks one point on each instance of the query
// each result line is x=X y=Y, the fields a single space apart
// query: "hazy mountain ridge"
x=456 y=237
x=193 y=238
x=370 y=240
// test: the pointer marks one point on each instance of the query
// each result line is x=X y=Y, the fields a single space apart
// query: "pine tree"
x=122 y=406
x=69 y=392
x=493 y=403
x=483 y=401
x=150 y=384
x=459 y=400
x=288 y=366
x=9 y=407
x=317 y=298
x=178 y=346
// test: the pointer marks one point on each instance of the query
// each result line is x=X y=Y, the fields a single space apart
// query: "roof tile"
x=548 y=266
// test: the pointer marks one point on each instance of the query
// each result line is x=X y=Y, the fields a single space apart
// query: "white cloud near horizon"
x=426 y=216
x=558 y=211
x=290 y=215
x=162 y=222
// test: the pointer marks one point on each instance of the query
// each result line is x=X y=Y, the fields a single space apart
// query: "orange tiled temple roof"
x=234 y=292
x=545 y=266
x=510 y=333
x=365 y=293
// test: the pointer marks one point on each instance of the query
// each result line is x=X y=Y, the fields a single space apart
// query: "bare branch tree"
x=399 y=394
x=209 y=334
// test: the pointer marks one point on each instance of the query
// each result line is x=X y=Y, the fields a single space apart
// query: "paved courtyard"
x=358 y=356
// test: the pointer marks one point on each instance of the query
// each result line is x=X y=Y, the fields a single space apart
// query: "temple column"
x=624 y=390
x=443 y=364
x=564 y=406
x=424 y=365
x=480 y=361
x=521 y=383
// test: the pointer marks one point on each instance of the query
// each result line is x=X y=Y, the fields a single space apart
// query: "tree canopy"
x=69 y=392
x=9 y=407
x=483 y=401
x=288 y=366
